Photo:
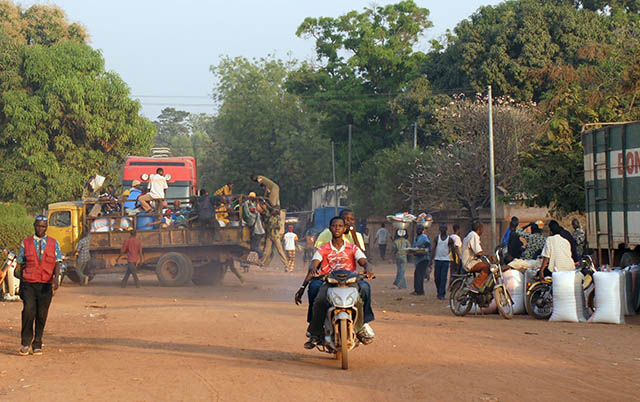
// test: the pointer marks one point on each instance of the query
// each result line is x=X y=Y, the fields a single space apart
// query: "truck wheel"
x=209 y=274
x=629 y=258
x=174 y=269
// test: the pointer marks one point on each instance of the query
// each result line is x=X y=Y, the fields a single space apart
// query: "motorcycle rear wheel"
x=540 y=312
x=503 y=302
x=344 y=344
x=457 y=293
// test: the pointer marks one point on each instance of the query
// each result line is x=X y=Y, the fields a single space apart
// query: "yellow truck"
x=178 y=255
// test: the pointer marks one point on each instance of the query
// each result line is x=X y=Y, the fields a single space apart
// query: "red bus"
x=180 y=172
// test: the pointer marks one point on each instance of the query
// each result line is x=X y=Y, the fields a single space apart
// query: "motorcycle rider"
x=336 y=255
x=471 y=253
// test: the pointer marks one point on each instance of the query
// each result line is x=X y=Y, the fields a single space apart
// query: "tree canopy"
x=62 y=116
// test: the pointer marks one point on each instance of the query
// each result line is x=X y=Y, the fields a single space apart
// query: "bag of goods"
x=609 y=297
x=522 y=265
x=568 y=304
x=629 y=307
x=101 y=225
x=514 y=281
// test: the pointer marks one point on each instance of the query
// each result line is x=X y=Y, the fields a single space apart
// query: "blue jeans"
x=441 y=269
x=312 y=292
x=401 y=263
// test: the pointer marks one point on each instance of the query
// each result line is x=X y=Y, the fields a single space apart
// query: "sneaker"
x=37 y=352
x=23 y=351
x=366 y=334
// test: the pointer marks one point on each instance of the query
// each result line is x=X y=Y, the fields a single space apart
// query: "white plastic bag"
x=568 y=304
x=522 y=265
x=609 y=297
x=514 y=281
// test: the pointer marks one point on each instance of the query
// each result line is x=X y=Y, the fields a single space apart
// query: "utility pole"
x=492 y=174
x=415 y=145
x=415 y=134
x=349 y=166
x=335 y=186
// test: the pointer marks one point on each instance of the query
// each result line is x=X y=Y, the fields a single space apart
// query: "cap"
x=135 y=183
x=252 y=195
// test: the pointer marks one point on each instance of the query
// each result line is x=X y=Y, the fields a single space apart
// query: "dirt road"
x=244 y=343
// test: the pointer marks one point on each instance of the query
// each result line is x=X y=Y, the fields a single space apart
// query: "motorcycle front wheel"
x=459 y=299
x=344 y=344
x=539 y=302
x=503 y=302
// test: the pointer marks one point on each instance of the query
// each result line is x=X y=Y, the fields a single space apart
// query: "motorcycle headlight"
x=331 y=280
x=335 y=299
x=494 y=268
x=352 y=280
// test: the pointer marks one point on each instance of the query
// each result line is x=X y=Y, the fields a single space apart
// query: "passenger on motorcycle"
x=337 y=255
x=556 y=253
x=471 y=253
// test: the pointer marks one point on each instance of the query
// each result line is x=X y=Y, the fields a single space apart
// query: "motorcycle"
x=9 y=284
x=343 y=295
x=461 y=298
x=539 y=295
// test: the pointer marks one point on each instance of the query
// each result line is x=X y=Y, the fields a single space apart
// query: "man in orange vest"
x=39 y=259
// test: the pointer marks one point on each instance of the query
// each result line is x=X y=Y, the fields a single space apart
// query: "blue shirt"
x=40 y=243
x=422 y=241
x=505 y=238
x=131 y=200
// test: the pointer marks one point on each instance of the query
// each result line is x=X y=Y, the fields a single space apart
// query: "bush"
x=15 y=225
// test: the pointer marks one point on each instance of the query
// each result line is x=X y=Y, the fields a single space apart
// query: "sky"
x=163 y=48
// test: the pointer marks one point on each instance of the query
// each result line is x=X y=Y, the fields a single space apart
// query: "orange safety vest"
x=39 y=270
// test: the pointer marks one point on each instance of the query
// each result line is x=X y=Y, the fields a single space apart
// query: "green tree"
x=62 y=116
x=262 y=129
x=364 y=59
x=377 y=184
x=172 y=124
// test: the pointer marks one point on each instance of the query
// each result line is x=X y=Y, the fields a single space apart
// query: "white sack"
x=609 y=297
x=514 y=281
x=568 y=302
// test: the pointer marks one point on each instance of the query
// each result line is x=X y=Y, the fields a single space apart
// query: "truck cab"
x=65 y=224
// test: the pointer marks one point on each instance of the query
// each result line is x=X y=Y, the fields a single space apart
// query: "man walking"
x=290 y=239
x=443 y=249
x=381 y=239
x=39 y=260
x=421 y=260
x=455 y=265
x=132 y=247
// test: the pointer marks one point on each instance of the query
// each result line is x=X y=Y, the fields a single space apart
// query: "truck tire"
x=209 y=274
x=629 y=258
x=174 y=269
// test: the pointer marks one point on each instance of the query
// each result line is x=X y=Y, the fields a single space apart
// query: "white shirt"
x=457 y=241
x=157 y=185
x=382 y=235
x=470 y=247
x=442 y=249
x=290 y=241
x=558 y=250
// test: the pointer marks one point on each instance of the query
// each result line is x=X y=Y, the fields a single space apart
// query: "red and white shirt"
x=332 y=259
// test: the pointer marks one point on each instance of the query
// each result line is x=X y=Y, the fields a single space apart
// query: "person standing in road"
x=157 y=191
x=400 y=246
x=443 y=248
x=421 y=260
x=579 y=236
x=132 y=247
x=381 y=240
x=455 y=265
x=290 y=239
x=39 y=258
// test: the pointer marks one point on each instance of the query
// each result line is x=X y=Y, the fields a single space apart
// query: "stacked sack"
x=514 y=282
x=568 y=304
x=610 y=297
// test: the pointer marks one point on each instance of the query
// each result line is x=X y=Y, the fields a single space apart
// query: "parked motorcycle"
x=9 y=285
x=339 y=326
x=539 y=296
x=462 y=299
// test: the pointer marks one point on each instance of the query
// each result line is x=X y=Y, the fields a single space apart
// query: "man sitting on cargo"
x=130 y=205
x=157 y=191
